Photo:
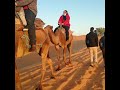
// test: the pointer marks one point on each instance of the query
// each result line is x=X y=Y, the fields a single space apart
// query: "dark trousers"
x=67 y=31
x=30 y=18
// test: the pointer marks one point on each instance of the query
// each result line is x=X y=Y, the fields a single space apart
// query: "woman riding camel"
x=64 y=20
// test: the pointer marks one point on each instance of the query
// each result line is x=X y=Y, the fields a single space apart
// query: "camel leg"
x=58 y=56
x=44 y=58
x=17 y=79
x=24 y=50
x=64 y=55
x=69 y=49
x=49 y=61
x=40 y=51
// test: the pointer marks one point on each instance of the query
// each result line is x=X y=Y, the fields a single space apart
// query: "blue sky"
x=83 y=13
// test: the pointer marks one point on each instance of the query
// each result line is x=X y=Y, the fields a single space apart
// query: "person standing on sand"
x=92 y=44
x=30 y=8
x=102 y=46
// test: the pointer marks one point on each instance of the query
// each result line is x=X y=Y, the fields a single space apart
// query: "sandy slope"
x=76 y=38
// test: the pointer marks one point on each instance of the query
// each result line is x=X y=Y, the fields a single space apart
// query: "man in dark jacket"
x=102 y=46
x=30 y=8
x=92 y=44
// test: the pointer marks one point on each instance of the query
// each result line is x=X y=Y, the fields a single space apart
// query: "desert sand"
x=80 y=76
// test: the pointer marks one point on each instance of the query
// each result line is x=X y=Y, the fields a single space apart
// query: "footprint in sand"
x=78 y=81
x=45 y=84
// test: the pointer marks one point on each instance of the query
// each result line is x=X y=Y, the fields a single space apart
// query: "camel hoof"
x=70 y=65
x=39 y=54
x=66 y=64
x=57 y=69
x=52 y=77
x=39 y=87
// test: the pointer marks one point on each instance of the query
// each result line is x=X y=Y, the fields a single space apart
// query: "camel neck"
x=53 y=37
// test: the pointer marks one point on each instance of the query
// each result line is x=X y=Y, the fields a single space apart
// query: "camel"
x=59 y=40
x=44 y=40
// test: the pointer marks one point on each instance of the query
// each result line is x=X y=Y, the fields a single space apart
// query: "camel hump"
x=56 y=29
x=38 y=23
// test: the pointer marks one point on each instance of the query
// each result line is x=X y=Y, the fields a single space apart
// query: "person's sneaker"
x=33 y=48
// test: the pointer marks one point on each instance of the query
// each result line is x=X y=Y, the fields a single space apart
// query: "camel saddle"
x=63 y=31
x=38 y=24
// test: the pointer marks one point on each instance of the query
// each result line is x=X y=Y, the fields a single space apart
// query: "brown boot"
x=33 y=48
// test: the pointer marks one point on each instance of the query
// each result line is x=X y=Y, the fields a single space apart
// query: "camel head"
x=49 y=28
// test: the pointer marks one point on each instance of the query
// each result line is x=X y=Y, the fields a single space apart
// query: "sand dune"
x=76 y=38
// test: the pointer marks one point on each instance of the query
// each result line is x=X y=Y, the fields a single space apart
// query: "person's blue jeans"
x=30 y=18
